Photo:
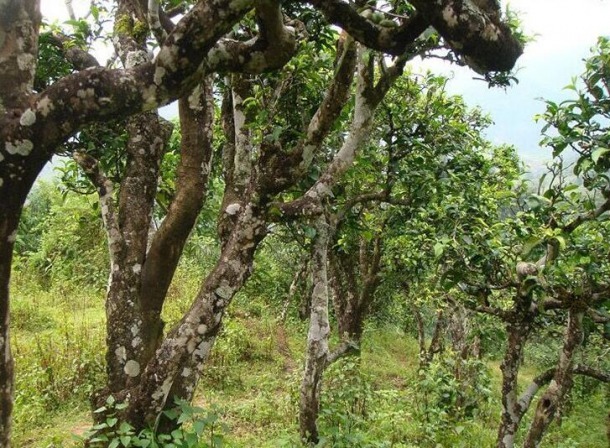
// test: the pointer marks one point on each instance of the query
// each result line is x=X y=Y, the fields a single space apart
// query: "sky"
x=564 y=31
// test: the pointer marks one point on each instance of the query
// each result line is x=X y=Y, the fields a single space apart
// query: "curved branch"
x=486 y=42
x=154 y=22
x=386 y=39
x=104 y=188
x=79 y=58
x=101 y=93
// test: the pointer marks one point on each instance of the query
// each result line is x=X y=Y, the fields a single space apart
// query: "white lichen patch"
x=491 y=32
x=205 y=168
x=135 y=329
x=203 y=349
x=85 y=93
x=12 y=237
x=44 y=106
x=224 y=292
x=28 y=118
x=191 y=345
x=121 y=353
x=149 y=95
x=132 y=368
x=136 y=341
x=449 y=16
x=201 y=329
x=136 y=268
x=194 y=99
x=25 y=61
x=135 y=58
x=168 y=56
x=163 y=390
x=186 y=372
x=235 y=265
x=232 y=209
x=20 y=147
x=159 y=74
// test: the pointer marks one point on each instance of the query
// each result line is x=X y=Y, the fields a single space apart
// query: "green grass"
x=253 y=378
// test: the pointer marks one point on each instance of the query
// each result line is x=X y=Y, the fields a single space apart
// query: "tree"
x=545 y=258
x=419 y=160
x=240 y=39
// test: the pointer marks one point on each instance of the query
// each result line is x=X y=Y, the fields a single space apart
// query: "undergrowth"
x=251 y=384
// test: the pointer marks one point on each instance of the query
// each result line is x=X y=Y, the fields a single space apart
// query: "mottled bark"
x=317 y=351
x=512 y=410
x=196 y=114
x=392 y=40
x=477 y=33
x=561 y=382
x=19 y=22
x=318 y=357
x=190 y=342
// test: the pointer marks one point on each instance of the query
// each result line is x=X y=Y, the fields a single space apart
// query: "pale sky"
x=564 y=30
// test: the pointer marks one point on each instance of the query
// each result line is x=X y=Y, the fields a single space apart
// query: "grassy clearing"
x=253 y=378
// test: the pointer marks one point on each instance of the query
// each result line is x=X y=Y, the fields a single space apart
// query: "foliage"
x=346 y=404
x=255 y=397
x=196 y=429
x=61 y=238
x=58 y=348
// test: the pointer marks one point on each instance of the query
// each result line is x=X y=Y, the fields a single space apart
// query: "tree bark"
x=8 y=228
x=19 y=23
x=512 y=412
x=317 y=338
x=561 y=382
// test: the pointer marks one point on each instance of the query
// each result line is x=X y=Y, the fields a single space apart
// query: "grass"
x=253 y=379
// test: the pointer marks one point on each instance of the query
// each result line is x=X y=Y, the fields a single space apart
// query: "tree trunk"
x=560 y=384
x=19 y=166
x=317 y=338
x=426 y=354
x=354 y=278
x=7 y=386
x=179 y=361
x=512 y=412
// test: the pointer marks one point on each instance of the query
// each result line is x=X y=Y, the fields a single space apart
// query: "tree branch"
x=486 y=43
x=104 y=189
x=346 y=348
x=391 y=40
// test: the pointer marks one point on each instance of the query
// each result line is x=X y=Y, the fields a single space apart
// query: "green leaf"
x=111 y=421
x=561 y=240
x=439 y=248
x=599 y=152
x=530 y=244
x=125 y=428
